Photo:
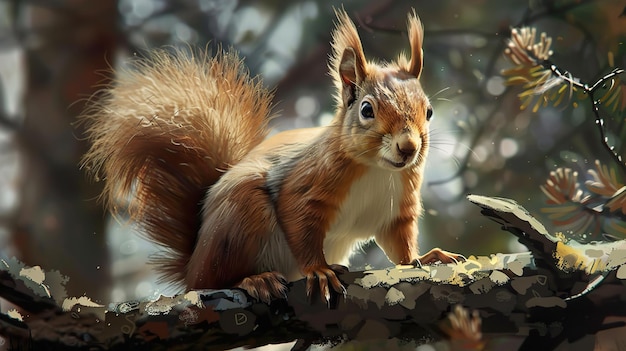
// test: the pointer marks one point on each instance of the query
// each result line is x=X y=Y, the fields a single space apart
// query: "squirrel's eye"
x=367 y=111
x=429 y=113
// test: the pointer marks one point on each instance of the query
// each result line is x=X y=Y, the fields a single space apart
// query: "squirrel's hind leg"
x=265 y=286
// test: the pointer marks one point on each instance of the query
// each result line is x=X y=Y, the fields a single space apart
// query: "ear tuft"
x=416 y=38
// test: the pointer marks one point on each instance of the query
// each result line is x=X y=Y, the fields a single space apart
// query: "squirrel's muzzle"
x=406 y=147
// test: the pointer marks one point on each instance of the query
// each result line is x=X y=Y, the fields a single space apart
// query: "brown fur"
x=188 y=130
x=166 y=131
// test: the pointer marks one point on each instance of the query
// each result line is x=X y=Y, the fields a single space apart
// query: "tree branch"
x=512 y=295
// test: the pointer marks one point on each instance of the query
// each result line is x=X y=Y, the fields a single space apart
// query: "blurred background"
x=55 y=53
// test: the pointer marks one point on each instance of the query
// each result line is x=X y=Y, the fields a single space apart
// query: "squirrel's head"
x=382 y=109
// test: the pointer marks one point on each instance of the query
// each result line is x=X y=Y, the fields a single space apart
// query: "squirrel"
x=182 y=136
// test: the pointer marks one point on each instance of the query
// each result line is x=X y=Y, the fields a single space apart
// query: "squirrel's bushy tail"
x=164 y=132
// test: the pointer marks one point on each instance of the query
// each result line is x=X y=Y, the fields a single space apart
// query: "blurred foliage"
x=586 y=215
x=601 y=209
x=482 y=142
x=544 y=83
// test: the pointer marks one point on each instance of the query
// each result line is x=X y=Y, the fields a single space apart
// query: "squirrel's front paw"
x=438 y=255
x=265 y=286
x=325 y=275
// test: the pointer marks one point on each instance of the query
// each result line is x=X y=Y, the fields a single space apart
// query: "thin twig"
x=595 y=104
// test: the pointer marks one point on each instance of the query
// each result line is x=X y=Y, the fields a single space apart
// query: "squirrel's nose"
x=406 y=148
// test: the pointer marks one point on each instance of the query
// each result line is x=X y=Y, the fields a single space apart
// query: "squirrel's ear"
x=351 y=73
x=348 y=65
x=416 y=37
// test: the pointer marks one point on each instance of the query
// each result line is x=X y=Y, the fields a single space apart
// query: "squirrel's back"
x=204 y=111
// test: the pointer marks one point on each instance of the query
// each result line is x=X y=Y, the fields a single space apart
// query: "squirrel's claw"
x=416 y=263
x=438 y=255
x=265 y=286
x=325 y=275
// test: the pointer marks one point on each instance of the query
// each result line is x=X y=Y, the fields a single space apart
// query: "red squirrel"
x=183 y=137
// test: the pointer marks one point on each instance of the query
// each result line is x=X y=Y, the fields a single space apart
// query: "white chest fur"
x=372 y=202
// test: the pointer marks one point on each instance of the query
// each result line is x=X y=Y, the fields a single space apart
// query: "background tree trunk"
x=58 y=226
